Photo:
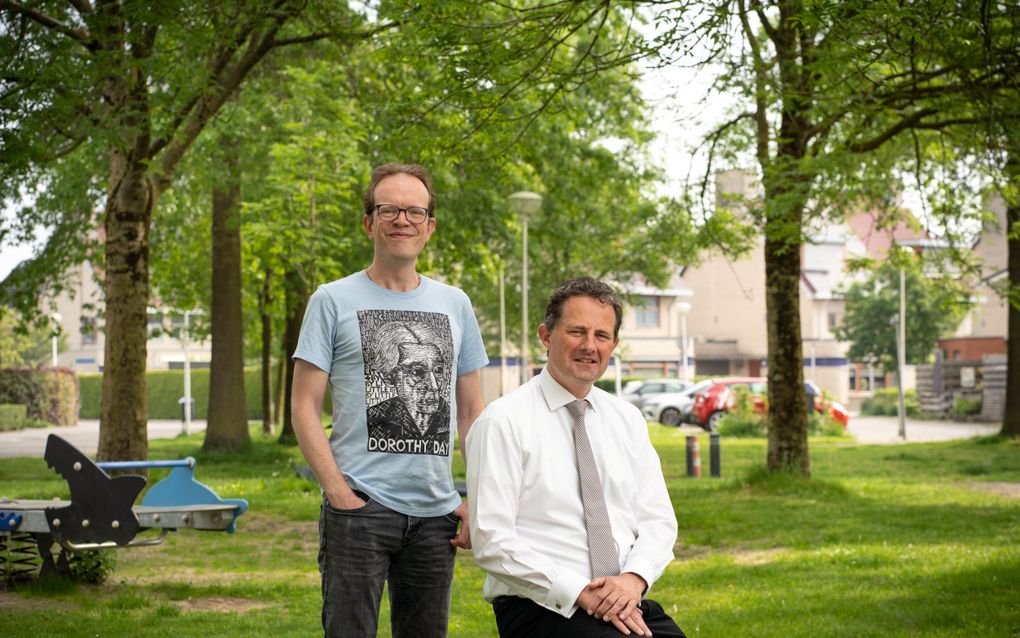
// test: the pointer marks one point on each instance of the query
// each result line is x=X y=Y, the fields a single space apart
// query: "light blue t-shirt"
x=393 y=359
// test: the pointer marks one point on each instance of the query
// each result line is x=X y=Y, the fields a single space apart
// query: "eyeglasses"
x=389 y=212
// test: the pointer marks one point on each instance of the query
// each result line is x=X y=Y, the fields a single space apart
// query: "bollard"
x=714 y=455
x=693 y=457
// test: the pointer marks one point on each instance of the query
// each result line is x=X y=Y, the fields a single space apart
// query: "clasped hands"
x=615 y=599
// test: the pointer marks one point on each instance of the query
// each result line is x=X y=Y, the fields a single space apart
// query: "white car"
x=674 y=408
x=645 y=391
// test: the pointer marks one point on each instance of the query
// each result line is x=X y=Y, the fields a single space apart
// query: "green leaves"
x=935 y=304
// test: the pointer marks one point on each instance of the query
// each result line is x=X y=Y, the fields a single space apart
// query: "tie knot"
x=577 y=408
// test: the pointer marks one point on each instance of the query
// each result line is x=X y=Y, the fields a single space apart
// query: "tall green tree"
x=131 y=86
x=1011 y=419
x=935 y=304
x=539 y=97
x=323 y=118
x=827 y=93
x=227 y=425
x=976 y=101
x=986 y=59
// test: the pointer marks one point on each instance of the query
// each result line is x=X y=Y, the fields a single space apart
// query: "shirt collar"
x=556 y=396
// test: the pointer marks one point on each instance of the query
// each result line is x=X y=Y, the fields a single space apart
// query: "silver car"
x=645 y=391
x=674 y=408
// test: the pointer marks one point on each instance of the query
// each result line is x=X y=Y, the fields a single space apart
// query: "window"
x=155 y=324
x=89 y=332
x=833 y=320
x=647 y=312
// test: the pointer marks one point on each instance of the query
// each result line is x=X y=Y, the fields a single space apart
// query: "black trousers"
x=522 y=618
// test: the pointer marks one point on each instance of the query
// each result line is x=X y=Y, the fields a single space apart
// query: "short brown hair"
x=386 y=170
x=583 y=287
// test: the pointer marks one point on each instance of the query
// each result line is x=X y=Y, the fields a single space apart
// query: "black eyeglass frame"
x=406 y=211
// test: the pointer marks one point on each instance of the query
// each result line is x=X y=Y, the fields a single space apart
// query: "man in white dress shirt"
x=531 y=529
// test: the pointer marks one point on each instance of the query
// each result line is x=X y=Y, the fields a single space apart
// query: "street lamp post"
x=901 y=357
x=525 y=204
x=185 y=338
x=682 y=308
x=56 y=318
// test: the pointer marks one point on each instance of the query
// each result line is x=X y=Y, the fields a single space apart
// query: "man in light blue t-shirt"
x=400 y=354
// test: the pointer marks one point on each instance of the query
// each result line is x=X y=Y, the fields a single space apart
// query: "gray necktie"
x=605 y=561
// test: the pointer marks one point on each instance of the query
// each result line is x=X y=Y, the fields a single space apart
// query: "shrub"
x=741 y=426
x=48 y=394
x=743 y=420
x=966 y=407
x=91 y=567
x=609 y=383
x=885 y=402
x=12 y=416
x=166 y=387
x=824 y=425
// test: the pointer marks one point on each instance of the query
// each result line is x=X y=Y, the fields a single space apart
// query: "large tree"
x=318 y=137
x=827 y=93
x=987 y=59
x=978 y=95
x=819 y=86
x=131 y=85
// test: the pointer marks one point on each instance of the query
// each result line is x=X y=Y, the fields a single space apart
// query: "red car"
x=710 y=405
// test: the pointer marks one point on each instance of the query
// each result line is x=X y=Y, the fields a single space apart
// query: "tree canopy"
x=935 y=304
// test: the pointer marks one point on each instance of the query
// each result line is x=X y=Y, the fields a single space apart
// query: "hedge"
x=48 y=394
x=609 y=384
x=166 y=387
x=885 y=402
x=12 y=416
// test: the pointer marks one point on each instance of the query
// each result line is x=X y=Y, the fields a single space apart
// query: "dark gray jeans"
x=361 y=549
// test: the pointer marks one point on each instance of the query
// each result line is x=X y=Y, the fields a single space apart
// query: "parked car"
x=645 y=391
x=821 y=405
x=674 y=408
x=711 y=404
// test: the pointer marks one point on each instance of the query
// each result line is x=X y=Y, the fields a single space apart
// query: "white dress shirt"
x=524 y=495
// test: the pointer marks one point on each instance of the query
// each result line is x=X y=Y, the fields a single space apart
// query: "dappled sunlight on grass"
x=880 y=541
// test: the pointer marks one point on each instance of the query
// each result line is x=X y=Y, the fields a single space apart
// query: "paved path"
x=84 y=436
x=885 y=429
x=867 y=429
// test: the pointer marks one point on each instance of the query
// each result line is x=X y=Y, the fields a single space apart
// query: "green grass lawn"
x=902 y=540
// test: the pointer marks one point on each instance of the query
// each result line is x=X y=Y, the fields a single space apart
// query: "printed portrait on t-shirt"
x=408 y=362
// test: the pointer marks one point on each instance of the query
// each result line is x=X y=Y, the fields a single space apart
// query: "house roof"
x=877 y=238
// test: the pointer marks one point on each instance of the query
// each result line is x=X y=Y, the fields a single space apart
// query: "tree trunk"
x=297 y=299
x=267 y=355
x=281 y=384
x=130 y=201
x=787 y=189
x=123 y=418
x=228 y=422
x=788 y=444
x=1011 y=419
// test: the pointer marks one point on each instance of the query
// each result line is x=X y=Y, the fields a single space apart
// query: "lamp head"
x=525 y=203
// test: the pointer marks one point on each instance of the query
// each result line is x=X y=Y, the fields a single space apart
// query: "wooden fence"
x=940 y=385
